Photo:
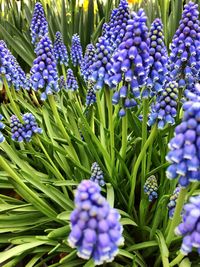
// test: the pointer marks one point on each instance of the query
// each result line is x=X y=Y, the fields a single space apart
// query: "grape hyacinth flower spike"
x=172 y=202
x=164 y=110
x=95 y=228
x=184 y=154
x=76 y=51
x=87 y=62
x=60 y=50
x=189 y=228
x=39 y=25
x=158 y=59
x=2 y=126
x=71 y=82
x=97 y=174
x=91 y=95
x=44 y=74
x=151 y=188
x=184 y=62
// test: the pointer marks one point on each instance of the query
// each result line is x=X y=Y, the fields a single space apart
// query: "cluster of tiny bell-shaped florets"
x=172 y=201
x=97 y=175
x=76 y=51
x=126 y=102
x=184 y=154
x=131 y=59
x=95 y=228
x=189 y=228
x=158 y=59
x=71 y=82
x=164 y=110
x=87 y=61
x=151 y=188
x=91 y=95
x=44 y=74
x=39 y=25
x=23 y=131
x=101 y=63
x=115 y=29
x=2 y=126
x=185 y=49
x=61 y=82
x=60 y=50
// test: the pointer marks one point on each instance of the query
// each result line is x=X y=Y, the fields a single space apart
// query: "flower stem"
x=102 y=120
x=137 y=164
x=177 y=215
x=63 y=71
x=176 y=260
x=124 y=137
x=61 y=126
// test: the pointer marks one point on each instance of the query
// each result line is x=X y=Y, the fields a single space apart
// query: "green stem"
x=177 y=215
x=124 y=138
x=63 y=71
x=177 y=260
x=111 y=125
x=137 y=164
x=61 y=126
x=102 y=120
x=15 y=108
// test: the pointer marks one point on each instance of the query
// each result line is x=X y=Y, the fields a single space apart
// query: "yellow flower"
x=134 y=1
x=85 y=4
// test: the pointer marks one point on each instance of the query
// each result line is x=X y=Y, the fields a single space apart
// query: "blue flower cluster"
x=115 y=29
x=60 y=50
x=62 y=82
x=76 y=50
x=39 y=25
x=172 y=201
x=44 y=74
x=190 y=226
x=24 y=131
x=165 y=109
x=184 y=154
x=71 y=82
x=95 y=228
x=91 y=96
x=97 y=174
x=158 y=59
x=2 y=126
x=131 y=59
x=185 y=48
x=87 y=61
x=151 y=188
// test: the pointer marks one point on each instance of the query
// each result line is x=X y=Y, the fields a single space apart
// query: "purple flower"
x=91 y=95
x=172 y=201
x=24 y=131
x=87 y=61
x=2 y=126
x=185 y=52
x=39 y=25
x=158 y=59
x=62 y=82
x=97 y=175
x=95 y=228
x=189 y=228
x=71 y=82
x=165 y=109
x=44 y=74
x=131 y=60
x=184 y=154
x=76 y=50
x=151 y=188
x=60 y=50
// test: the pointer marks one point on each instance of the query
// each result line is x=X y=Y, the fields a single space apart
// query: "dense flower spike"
x=60 y=50
x=185 y=48
x=87 y=61
x=2 y=126
x=62 y=82
x=97 y=174
x=71 y=82
x=190 y=226
x=165 y=109
x=91 y=95
x=131 y=59
x=43 y=72
x=172 y=201
x=151 y=188
x=76 y=50
x=95 y=228
x=184 y=154
x=115 y=30
x=39 y=25
x=158 y=59
x=24 y=131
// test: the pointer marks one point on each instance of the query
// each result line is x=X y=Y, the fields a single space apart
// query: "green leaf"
x=110 y=195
